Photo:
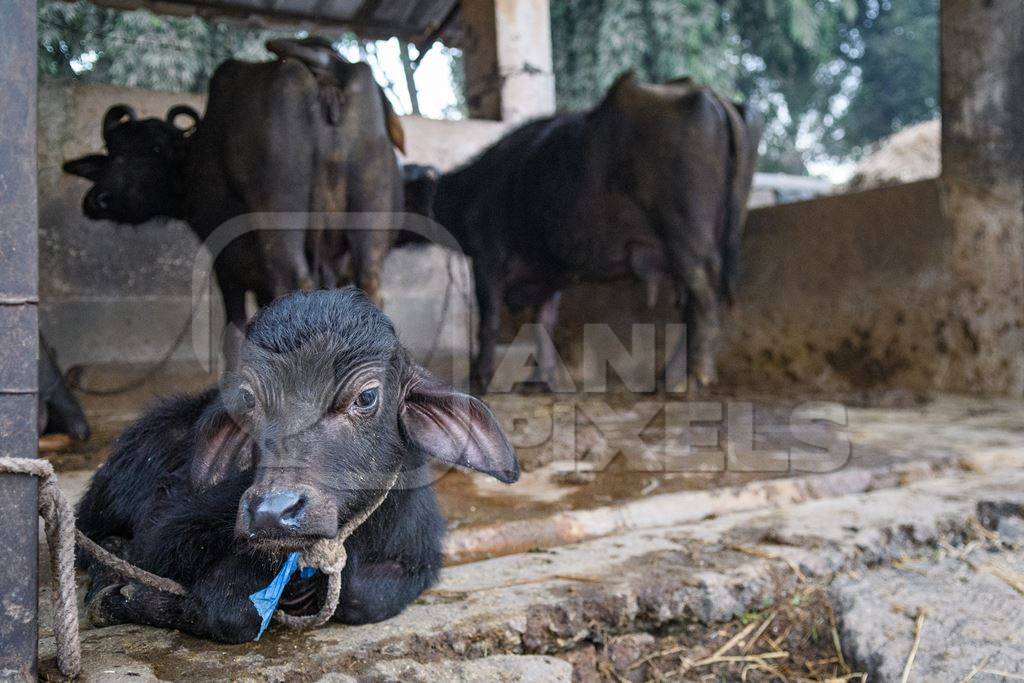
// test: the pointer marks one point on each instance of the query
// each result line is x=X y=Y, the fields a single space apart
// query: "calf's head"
x=325 y=409
x=141 y=176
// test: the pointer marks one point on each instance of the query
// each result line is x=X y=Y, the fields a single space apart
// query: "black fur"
x=146 y=500
x=258 y=161
x=652 y=184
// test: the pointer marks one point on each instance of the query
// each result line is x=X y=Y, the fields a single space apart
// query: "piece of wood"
x=51 y=443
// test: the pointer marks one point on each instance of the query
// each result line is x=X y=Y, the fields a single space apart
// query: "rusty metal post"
x=19 y=277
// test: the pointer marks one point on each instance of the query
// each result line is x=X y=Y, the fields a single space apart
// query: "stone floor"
x=625 y=529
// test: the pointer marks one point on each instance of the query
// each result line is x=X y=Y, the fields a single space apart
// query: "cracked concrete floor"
x=892 y=448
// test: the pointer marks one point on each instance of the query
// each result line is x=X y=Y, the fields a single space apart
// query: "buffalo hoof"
x=705 y=374
x=677 y=387
x=79 y=430
x=106 y=607
x=705 y=380
x=478 y=385
x=694 y=383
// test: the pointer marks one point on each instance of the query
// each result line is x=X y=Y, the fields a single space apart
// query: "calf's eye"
x=367 y=399
x=246 y=399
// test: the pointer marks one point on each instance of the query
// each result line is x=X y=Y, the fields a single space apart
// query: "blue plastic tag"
x=265 y=600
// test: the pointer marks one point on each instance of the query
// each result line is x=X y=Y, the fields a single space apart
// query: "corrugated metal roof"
x=415 y=21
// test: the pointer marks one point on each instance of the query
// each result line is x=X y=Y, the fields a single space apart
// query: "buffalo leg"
x=696 y=267
x=695 y=353
x=547 y=354
x=134 y=604
x=234 y=312
x=677 y=367
x=375 y=197
x=343 y=268
x=704 y=319
x=59 y=410
x=217 y=606
x=283 y=246
x=368 y=249
x=489 y=297
x=378 y=591
x=277 y=203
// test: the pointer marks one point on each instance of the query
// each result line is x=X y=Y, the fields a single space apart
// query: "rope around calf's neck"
x=327 y=555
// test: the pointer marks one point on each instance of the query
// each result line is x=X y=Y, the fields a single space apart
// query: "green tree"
x=892 y=59
x=596 y=40
x=789 y=49
x=79 y=40
x=138 y=49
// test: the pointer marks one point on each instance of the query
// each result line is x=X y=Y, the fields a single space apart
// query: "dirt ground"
x=795 y=638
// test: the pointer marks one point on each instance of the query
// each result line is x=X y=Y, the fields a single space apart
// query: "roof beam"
x=277 y=13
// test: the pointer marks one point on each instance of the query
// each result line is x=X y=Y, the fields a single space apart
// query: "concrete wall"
x=838 y=294
x=844 y=292
x=118 y=293
x=873 y=290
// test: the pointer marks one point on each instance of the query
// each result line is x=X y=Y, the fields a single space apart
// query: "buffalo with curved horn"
x=258 y=154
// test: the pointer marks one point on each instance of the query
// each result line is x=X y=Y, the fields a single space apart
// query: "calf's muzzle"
x=292 y=514
x=280 y=511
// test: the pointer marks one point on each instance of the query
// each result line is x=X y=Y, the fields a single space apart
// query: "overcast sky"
x=433 y=78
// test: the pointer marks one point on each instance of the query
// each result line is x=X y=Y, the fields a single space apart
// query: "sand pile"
x=909 y=155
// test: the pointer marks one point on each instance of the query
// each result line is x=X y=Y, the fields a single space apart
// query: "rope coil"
x=59 y=525
x=329 y=556
x=326 y=555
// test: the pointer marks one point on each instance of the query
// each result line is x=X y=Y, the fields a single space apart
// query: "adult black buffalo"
x=289 y=145
x=651 y=183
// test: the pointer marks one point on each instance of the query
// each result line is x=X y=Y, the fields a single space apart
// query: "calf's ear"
x=456 y=428
x=223 y=451
x=90 y=166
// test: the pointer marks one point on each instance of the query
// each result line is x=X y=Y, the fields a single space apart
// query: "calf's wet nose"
x=278 y=511
x=96 y=203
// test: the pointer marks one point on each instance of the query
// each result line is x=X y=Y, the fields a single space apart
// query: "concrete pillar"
x=982 y=46
x=507 y=58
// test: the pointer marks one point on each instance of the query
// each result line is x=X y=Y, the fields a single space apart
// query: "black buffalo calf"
x=215 y=490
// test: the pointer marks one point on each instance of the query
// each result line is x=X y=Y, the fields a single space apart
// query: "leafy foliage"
x=596 y=40
x=139 y=49
x=892 y=52
x=79 y=40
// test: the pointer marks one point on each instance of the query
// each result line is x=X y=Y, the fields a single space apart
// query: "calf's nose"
x=97 y=202
x=280 y=511
x=101 y=200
